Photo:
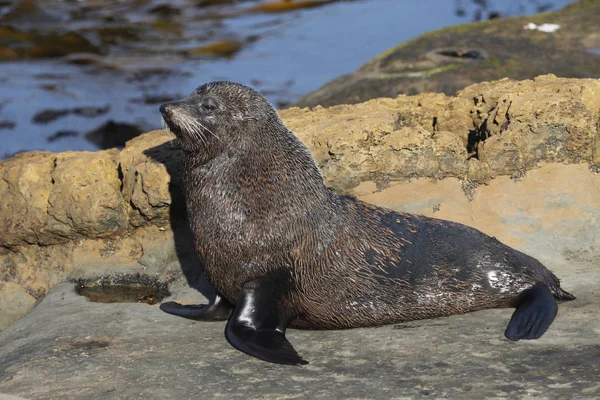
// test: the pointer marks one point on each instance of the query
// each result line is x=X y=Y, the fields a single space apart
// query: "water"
x=283 y=55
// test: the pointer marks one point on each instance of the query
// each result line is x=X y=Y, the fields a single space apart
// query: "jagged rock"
x=506 y=128
x=24 y=189
x=148 y=166
x=85 y=197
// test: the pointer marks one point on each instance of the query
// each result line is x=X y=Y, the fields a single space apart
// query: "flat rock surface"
x=69 y=347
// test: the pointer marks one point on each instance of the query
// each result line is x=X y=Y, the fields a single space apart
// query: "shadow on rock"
x=170 y=155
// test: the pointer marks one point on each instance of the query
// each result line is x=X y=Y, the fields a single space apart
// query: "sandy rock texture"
x=134 y=351
x=453 y=58
x=89 y=215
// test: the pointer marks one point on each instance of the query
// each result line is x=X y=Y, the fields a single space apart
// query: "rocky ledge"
x=518 y=160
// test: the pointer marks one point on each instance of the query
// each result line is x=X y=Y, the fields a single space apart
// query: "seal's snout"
x=166 y=110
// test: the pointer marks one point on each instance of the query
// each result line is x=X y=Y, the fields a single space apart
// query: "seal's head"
x=217 y=115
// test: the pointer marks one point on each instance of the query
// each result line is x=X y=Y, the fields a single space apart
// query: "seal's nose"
x=165 y=110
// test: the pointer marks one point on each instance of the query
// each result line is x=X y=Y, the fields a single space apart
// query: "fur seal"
x=283 y=250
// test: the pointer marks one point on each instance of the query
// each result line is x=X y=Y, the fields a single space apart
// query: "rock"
x=6 y=124
x=90 y=111
x=514 y=159
x=15 y=302
x=517 y=160
x=151 y=174
x=49 y=198
x=91 y=350
x=25 y=12
x=47 y=116
x=86 y=198
x=516 y=128
x=506 y=128
x=452 y=58
x=113 y=134
x=25 y=188
x=61 y=134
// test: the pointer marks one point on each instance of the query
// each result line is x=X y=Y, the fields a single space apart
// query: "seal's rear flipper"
x=257 y=326
x=536 y=309
x=218 y=310
x=269 y=345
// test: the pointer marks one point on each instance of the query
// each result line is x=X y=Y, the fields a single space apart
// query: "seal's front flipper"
x=536 y=309
x=218 y=310
x=257 y=326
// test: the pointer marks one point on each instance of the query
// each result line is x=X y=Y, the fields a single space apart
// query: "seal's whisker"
x=211 y=132
x=190 y=126
x=196 y=128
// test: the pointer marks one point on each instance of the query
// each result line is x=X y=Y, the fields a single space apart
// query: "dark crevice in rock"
x=55 y=165
x=471 y=54
x=121 y=177
x=476 y=136
x=506 y=123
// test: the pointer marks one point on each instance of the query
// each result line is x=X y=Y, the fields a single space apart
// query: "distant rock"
x=114 y=134
x=452 y=58
x=61 y=134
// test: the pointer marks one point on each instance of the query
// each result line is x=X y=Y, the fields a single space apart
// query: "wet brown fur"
x=257 y=205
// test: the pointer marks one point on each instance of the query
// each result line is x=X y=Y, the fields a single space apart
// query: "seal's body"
x=281 y=249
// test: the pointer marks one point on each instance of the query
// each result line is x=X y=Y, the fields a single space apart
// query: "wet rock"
x=59 y=45
x=286 y=6
x=29 y=12
x=61 y=134
x=142 y=75
x=87 y=59
x=47 y=116
x=118 y=34
x=156 y=99
x=6 y=124
x=91 y=112
x=52 y=42
x=165 y=10
x=224 y=48
x=113 y=134
x=7 y=54
x=452 y=58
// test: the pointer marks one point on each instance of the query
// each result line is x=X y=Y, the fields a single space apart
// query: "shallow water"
x=285 y=55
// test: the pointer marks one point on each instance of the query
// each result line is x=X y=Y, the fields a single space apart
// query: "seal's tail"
x=554 y=284
x=560 y=294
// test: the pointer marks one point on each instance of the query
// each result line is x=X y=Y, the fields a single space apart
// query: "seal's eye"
x=209 y=105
